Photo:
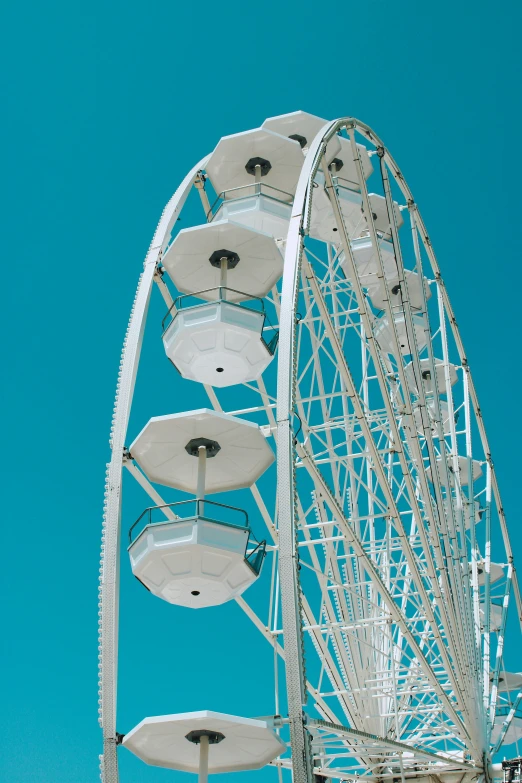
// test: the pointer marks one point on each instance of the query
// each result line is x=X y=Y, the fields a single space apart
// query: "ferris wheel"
x=309 y=304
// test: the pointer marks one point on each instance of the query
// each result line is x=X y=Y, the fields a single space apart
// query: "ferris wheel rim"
x=109 y=558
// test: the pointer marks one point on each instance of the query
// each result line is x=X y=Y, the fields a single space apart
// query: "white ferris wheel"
x=310 y=306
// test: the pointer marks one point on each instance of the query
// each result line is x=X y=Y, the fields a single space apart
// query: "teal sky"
x=105 y=108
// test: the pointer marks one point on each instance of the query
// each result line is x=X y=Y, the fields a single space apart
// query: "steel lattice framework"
x=382 y=582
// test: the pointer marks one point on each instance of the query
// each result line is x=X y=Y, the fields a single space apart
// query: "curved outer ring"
x=110 y=547
x=109 y=570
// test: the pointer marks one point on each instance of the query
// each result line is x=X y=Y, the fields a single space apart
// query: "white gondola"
x=204 y=743
x=478 y=513
x=397 y=291
x=209 y=556
x=254 y=261
x=509 y=681
x=513 y=733
x=428 y=384
x=496 y=573
x=243 y=454
x=303 y=127
x=199 y=561
x=432 y=414
x=383 y=333
x=463 y=468
x=366 y=260
x=495 y=617
x=367 y=265
x=255 y=175
x=323 y=225
x=463 y=471
x=381 y=219
x=221 y=343
x=263 y=212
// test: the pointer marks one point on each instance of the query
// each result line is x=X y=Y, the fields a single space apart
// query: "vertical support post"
x=223 y=276
x=203 y=755
x=258 y=178
x=202 y=469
